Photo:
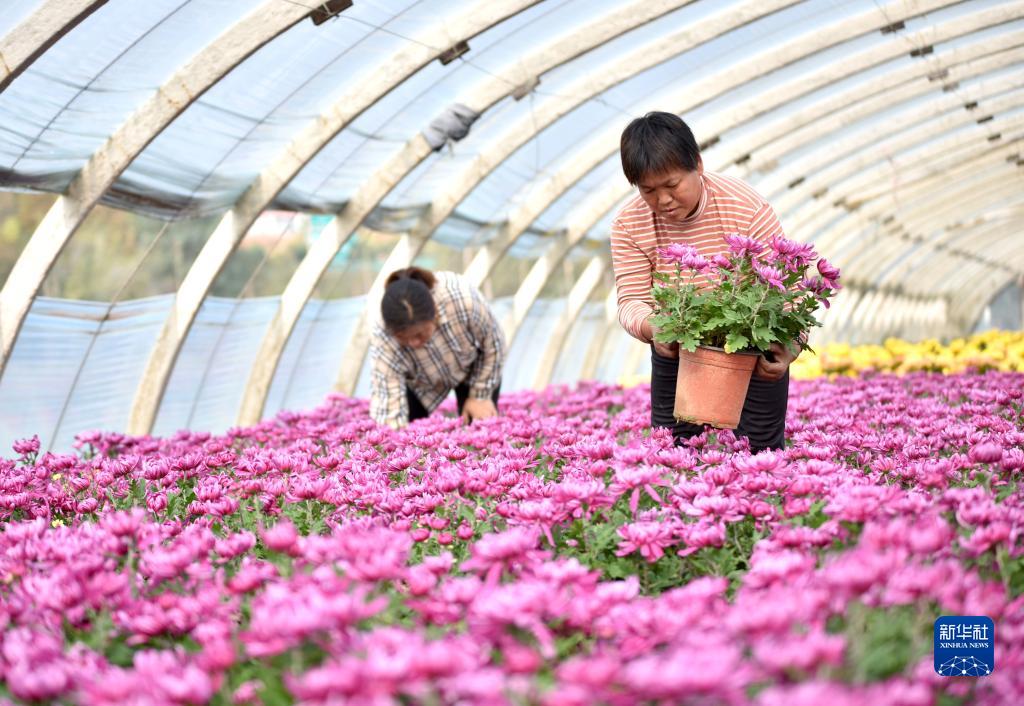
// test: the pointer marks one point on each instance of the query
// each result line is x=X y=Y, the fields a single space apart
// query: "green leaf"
x=762 y=336
x=736 y=342
x=689 y=342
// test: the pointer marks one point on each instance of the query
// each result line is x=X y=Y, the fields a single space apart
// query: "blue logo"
x=965 y=646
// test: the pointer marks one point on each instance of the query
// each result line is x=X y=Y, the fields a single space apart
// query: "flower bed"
x=559 y=554
x=991 y=350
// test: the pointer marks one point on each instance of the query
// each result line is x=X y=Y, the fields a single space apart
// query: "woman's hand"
x=773 y=370
x=666 y=350
x=473 y=410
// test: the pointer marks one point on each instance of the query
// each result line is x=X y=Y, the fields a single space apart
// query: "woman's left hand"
x=473 y=410
x=774 y=370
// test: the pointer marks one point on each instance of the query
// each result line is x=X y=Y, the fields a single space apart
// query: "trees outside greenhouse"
x=200 y=203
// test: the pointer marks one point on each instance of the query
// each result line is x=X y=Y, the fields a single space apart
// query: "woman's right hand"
x=666 y=350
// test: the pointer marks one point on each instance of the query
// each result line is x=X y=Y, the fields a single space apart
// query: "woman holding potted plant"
x=700 y=261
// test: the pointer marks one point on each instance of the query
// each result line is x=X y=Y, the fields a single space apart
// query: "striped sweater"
x=727 y=205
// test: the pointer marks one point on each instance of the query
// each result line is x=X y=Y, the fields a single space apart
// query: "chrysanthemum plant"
x=758 y=294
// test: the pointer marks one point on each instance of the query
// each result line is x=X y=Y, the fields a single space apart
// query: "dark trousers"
x=763 y=420
x=418 y=411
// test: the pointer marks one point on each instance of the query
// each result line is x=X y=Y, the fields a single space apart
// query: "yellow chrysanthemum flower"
x=989 y=350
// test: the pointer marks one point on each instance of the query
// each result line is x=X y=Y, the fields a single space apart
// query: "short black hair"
x=407 y=299
x=656 y=143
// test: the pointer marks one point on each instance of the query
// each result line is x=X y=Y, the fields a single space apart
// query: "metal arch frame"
x=957 y=275
x=903 y=306
x=841 y=321
x=927 y=319
x=881 y=326
x=840 y=238
x=561 y=181
x=836 y=238
x=593 y=354
x=281 y=170
x=923 y=211
x=841 y=177
x=583 y=219
x=969 y=309
x=910 y=310
x=939 y=320
x=950 y=232
x=995 y=238
x=893 y=316
x=959 y=161
x=857 y=227
x=916 y=321
x=848 y=296
x=842 y=310
x=877 y=326
x=1007 y=214
x=948 y=146
x=854 y=329
x=589 y=85
x=927 y=209
x=934 y=310
x=631 y=365
x=846 y=329
x=955 y=65
x=39 y=31
x=918 y=327
x=577 y=298
x=940 y=114
x=980 y=196
x=300 y=288
x=128 y=140
x=907 y=323
x=917 y=182
x=771 y=60
x=843 y=327
x=917 y=167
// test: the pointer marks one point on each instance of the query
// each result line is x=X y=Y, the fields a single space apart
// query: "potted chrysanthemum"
x=727 y=310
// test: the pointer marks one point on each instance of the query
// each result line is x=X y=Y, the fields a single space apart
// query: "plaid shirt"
x=467 y=346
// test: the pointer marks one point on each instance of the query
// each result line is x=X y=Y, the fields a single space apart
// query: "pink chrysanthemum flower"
x=772 y=276
x=650 y=538
x=685 y=256
x=743 y=246
x=829 y=272
x=795 y=255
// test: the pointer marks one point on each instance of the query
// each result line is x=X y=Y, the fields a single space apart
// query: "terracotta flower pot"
x=712 y=386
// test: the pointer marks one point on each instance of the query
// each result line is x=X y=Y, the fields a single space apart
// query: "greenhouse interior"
x=349 y=352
